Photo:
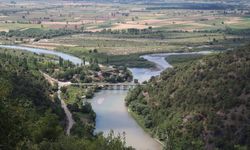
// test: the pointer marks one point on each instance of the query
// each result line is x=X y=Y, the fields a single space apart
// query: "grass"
x=125 y=45
x=245 y=24
x=15 y=26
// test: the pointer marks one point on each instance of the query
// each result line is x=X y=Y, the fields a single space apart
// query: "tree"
x=96 y=61
x=84 y=61
x=90 y=60
x=60 y=61
x=86 y=107
x=64 y=89
x=107 y=60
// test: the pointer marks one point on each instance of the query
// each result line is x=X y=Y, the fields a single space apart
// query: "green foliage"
x=203 y=103
x=28 y=114
x=66 y=71
x=38 y=33
x=86 y=108
x=132 y=60
x=82 y=130
x=178 y=59
x=31 y=118
x=46 y=128
x=74 y=143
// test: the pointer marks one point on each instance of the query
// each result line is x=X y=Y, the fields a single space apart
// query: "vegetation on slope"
x=200 y=105
x=28 y=114
x=179 y=59
x=31 y=116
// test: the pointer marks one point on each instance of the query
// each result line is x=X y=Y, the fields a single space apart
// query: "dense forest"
x=31 y=115
x=202 y=104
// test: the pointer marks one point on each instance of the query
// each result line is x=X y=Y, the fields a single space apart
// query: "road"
x=70 y=119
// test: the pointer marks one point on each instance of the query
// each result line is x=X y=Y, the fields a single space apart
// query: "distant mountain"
x=201 y=105
x=155 y=1
x=145 y=1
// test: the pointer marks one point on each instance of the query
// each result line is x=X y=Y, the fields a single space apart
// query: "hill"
x=31 y=113
x=204 y=104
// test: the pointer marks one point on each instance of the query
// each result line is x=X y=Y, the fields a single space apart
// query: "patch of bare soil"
x=233 y=20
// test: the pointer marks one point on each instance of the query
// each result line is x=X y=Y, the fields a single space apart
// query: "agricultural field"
x=97 y=16
x=199 y=99
x=117 y=29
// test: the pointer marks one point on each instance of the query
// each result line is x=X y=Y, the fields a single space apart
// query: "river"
x=109 y=105
x=64 y=56
x=112 y=113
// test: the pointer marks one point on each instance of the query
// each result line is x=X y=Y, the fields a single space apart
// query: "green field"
x=124 y=30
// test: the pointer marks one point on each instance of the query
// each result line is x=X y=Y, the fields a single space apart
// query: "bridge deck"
x=107 y=84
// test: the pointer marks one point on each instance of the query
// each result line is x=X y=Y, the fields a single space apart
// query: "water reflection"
x=112 y=114
x=109 y=104
x=144 y=74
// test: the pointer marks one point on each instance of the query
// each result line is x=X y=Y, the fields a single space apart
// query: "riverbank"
x=139 y=120
x=111 y=112
x=161 y=62
x=112 y=116
x=128 y=60
x=141 y=123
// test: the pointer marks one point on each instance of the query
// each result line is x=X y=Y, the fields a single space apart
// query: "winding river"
x=64 y=56
x=109 y=106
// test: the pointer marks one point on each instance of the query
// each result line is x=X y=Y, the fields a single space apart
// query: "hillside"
x=204 y=104
x=31 y=114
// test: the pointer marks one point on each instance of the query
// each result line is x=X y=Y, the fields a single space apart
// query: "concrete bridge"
x=109 y=86
x=103 y=85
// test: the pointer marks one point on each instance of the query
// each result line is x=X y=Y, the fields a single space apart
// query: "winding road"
x=70 y=119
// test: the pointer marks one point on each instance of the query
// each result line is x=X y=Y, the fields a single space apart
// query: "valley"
x=126 y=74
